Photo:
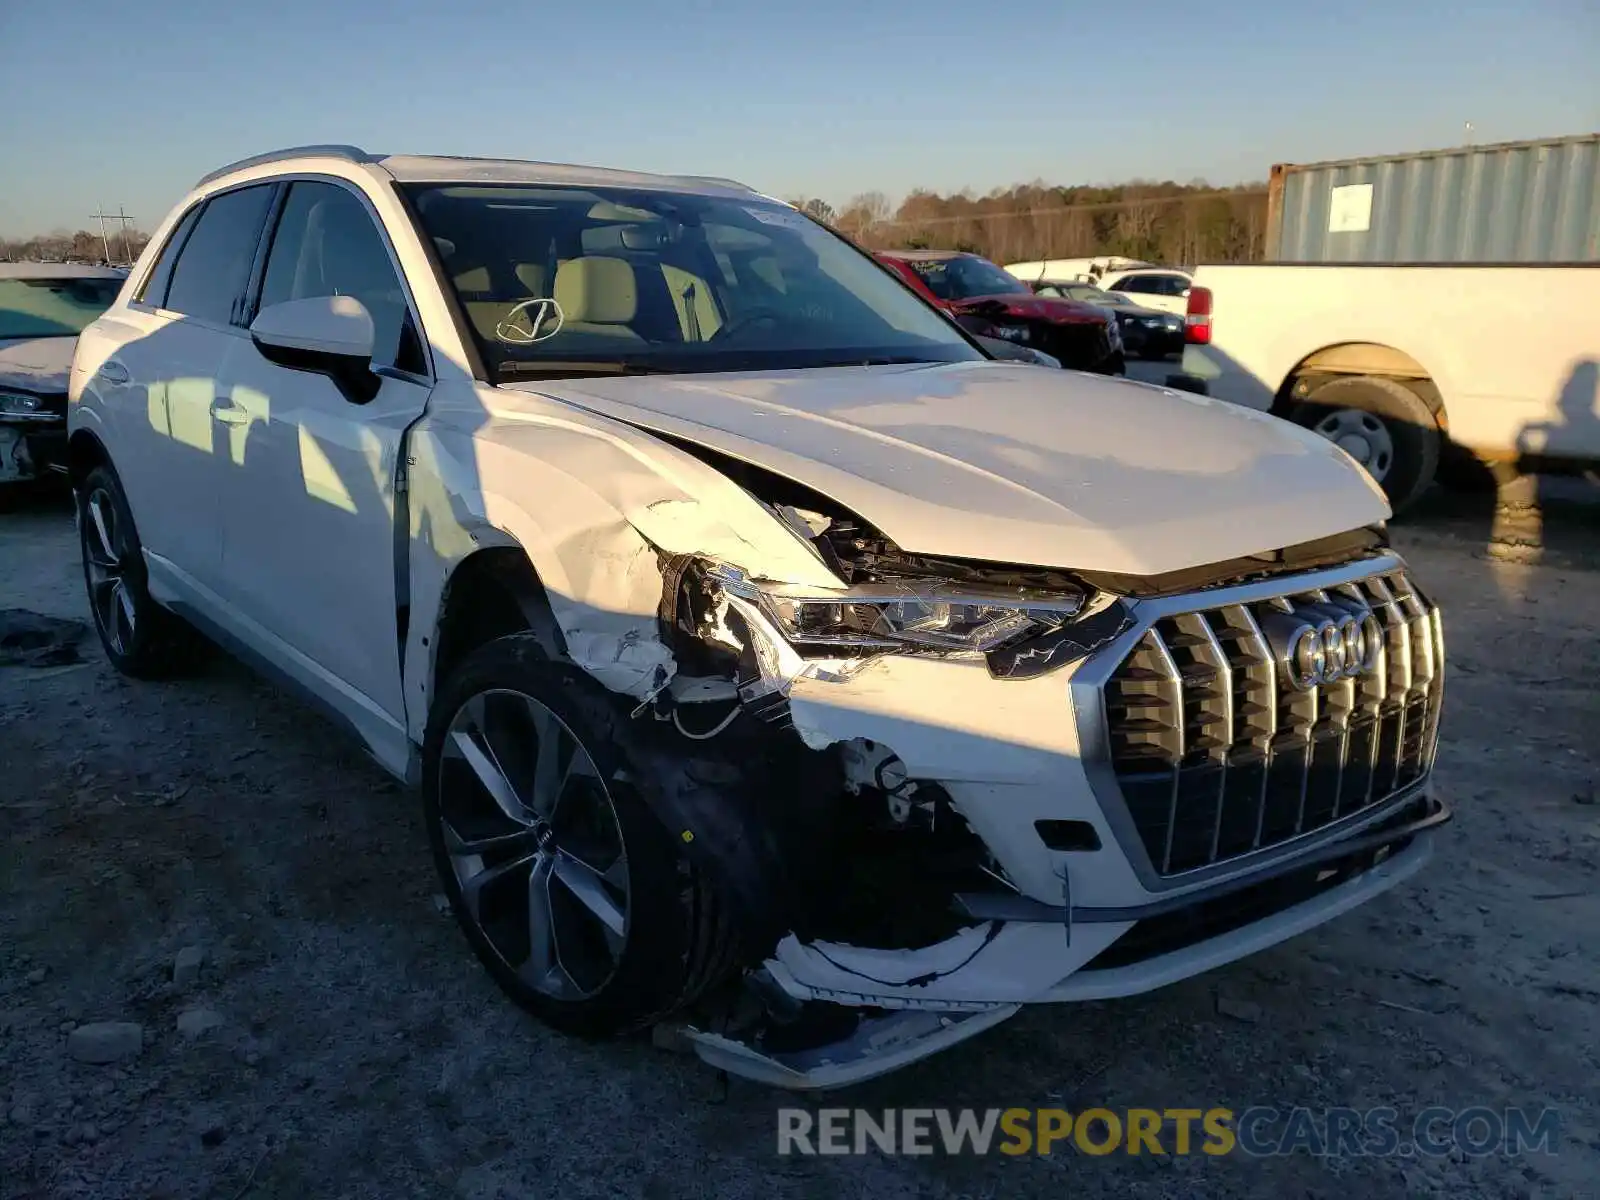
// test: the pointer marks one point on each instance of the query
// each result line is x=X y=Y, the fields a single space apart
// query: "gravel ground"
x=215 y=864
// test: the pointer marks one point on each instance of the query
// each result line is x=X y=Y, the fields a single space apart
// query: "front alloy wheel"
x=534 y=843
x=572 y=893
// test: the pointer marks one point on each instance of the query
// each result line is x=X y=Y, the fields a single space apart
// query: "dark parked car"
x=43 y=308
x=988 y=301
x=1146 y=332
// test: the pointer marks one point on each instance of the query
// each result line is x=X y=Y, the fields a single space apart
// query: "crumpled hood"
x=1056 y=310
x=36 y=364
x=1007 y=463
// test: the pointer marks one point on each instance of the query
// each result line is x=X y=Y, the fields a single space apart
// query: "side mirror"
x=323 y=335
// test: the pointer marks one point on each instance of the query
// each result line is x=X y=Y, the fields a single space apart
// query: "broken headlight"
x=947 y=618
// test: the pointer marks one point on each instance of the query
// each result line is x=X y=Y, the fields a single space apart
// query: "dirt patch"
x=349 y=1045
x=30 y=639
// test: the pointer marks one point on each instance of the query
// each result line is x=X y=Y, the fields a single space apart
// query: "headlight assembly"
x=906 y=617
x=20 y=404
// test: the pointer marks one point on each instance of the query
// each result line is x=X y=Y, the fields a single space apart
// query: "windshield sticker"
x=788 y=218
x=531 y=321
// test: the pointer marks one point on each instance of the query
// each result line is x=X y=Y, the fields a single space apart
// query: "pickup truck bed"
x=1505 y=359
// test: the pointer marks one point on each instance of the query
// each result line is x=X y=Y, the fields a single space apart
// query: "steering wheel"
x=754 y=317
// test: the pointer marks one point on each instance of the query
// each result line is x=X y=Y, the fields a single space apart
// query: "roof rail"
x=350 y=153
x=720 y=181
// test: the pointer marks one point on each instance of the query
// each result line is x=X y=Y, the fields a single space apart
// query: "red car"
x=989 y=302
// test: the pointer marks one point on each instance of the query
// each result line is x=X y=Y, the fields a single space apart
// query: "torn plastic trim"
x=880 y=1044
x=1018 y=963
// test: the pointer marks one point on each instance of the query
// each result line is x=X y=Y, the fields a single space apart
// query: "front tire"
x=572 y=894
x=142 y=639
x=1384 y=426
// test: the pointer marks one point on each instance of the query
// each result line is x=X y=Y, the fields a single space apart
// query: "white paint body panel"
x=307 y=506
x=1007 y=463
x=1514 y=351
x=36 y=364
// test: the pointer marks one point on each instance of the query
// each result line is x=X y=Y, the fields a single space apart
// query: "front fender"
x=590 y=501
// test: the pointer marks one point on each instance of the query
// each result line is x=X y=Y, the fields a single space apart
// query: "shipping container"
x=1518 y=202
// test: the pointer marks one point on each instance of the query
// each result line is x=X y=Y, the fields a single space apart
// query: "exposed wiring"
x=708 y=734
x=916 y=980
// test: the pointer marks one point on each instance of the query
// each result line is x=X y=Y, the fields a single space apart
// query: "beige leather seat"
x=598 y=295
x=486 y=314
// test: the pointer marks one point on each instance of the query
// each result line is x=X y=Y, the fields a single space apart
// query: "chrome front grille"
x=1218 y=754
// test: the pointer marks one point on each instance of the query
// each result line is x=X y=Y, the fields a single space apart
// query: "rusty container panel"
x=1536 y=201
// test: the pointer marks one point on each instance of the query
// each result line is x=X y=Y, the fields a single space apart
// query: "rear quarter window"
x=213 y=265
x=153 y=290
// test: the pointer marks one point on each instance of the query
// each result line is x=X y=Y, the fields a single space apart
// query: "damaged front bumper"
x=1081 y=894
x=906 y=1024
x=31 y=446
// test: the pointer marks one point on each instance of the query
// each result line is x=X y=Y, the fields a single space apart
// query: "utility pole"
x=127 y=247
x=105 y=242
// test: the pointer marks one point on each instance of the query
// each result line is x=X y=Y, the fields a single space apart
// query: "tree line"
x=1177 y=224
x=1171 y=223
x=84 y=246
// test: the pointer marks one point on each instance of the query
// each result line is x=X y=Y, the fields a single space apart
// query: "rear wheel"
x=1384 y=426
x=141 y=638
x=572 y=894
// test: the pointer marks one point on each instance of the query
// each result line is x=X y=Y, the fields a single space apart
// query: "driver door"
x=310 y=546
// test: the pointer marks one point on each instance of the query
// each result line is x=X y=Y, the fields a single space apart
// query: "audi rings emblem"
x=1315 y=653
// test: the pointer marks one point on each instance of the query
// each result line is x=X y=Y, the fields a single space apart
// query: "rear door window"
x=213 y=267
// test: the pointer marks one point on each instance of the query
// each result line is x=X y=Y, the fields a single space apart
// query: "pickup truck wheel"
x=572 y=894
x=1384 y=426
x=141 y=638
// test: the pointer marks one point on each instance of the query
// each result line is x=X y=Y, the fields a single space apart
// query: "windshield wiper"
x=881 y=360
x=555 y=369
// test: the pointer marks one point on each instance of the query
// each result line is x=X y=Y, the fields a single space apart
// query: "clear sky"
x=129 y=102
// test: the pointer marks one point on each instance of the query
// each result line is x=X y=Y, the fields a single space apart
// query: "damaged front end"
x=933 y=789
x=848 y=862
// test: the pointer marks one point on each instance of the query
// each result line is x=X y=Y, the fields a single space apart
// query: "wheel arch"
x=491 y=593
x=85 y=452
x=1359 y=358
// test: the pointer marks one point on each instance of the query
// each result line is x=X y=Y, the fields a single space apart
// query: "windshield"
x=31 y=308
x=567 y=280
x=964 y=276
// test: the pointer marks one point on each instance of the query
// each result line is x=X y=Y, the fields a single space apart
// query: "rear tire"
x=1383 y=425
x=142 y=639
x=585 y=910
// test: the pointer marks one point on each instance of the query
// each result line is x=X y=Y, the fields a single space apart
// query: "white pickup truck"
x=1471 y=372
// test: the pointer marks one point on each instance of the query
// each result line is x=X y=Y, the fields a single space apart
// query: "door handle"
x=113 y=372
x=229 y=413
